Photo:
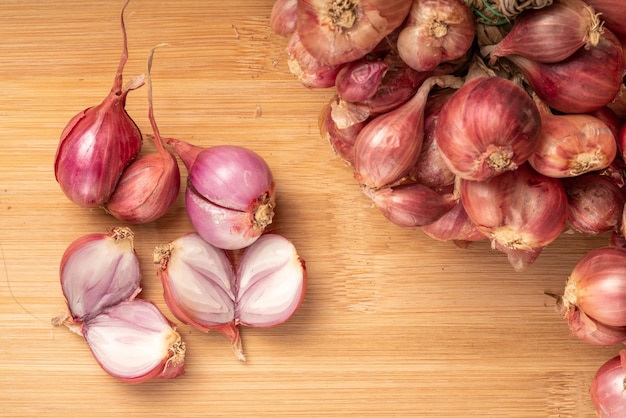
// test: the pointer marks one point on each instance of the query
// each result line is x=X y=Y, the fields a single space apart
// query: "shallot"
x=608 y=388
x=230 y=193
x=411 y=205
x=552 y=33
x=203 y=289
x=283 y=17
x=150 y=185
x=597 y=286
x=98 y=143
x=586 y=81
x=359 y=80
x=98 y=271
x=520 y=211
x=388 y=147
x=572 y=144
x=436 y=31
x=339 y=31
x=488 y=127
x=134 y=342
x=595 y=203
x=613 y=13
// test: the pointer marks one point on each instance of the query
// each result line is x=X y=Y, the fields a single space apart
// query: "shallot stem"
x=117 y=84
x=157 y=136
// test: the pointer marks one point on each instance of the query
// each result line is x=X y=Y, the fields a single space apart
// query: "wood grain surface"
x=393 y=323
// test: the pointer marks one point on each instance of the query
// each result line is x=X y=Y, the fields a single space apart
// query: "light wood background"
x=393 y=324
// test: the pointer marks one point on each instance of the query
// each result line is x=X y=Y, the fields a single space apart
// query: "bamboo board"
x=393 y=323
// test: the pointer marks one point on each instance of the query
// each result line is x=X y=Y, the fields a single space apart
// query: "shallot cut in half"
x=340 y=31
x=388 y=147
x=572 y=144
x=98 y=271
x=608 y=387
x=230 y=195
x=436 y=31
x=98 y=143
x=204 y=290
x=488 y=127
x=134 y=342
x=308 y=70
x=552 y=33
x=411 y=205
x=597 y=286
x=585 y=82
x=595 y=203
x=520 y=211
x=149 y=187
x=283 y=17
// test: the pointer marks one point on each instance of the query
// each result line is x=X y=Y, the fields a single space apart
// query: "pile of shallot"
x=509 y=129
x=231 y=271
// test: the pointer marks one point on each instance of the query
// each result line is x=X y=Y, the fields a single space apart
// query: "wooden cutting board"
x=393 y=323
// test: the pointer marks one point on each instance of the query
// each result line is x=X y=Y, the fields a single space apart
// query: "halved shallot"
x=134 y=342
x=204 y=290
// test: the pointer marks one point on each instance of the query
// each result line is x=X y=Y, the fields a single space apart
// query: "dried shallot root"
x=130 y=338
x=204 y=289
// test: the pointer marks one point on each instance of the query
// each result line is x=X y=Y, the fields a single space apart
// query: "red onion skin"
x=520 y=211
x=613 y=14
x=475 y=144
x=595 y=203
x=359 y=80
x=585 y=82
x=411 y=205
x=597 y=285
x=143 y=319
x=572 y=144
x=608 y=386
x=339 y=31
x=593 y=332
x=283 y=17
x=436 y=31
x=98 y=143
x=568 y=25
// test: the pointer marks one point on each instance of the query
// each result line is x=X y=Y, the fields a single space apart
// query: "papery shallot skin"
x=98 y=271
x=134 y=342
x=593 y=332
